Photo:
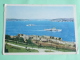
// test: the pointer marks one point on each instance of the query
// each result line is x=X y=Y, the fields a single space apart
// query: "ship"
x=30 y=25
x=53 y=29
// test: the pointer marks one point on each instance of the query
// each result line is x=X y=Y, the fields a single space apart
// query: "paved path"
x=39 y=49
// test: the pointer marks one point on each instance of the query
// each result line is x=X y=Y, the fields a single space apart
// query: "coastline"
x=47 y=41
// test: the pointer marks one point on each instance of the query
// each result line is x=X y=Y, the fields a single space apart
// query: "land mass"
x=53 y=20
x=63 y=20
x=42 y=41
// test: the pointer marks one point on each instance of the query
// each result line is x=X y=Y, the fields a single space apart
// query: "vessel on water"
x=53 y=29
x=30 y=25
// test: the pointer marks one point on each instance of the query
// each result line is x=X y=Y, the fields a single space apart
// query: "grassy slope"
x=17 y=49
x=46 y=47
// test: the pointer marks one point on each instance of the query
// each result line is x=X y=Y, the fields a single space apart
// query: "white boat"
x=53 y=29
x=30 y=25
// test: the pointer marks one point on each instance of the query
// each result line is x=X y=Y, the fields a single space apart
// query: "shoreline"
x=46 y=41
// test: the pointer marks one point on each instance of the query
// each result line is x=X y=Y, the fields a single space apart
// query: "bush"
x=7 y=37
x=21 y=39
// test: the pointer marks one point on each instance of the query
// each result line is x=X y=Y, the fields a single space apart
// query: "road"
x=39 y=49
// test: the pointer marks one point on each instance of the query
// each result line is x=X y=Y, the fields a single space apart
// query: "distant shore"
x=53 y=20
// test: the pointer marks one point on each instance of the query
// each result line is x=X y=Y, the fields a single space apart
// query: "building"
x=23 y=36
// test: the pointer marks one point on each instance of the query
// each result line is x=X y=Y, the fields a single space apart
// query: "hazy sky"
x=39 y=12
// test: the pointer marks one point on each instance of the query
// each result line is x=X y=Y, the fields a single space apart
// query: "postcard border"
x=75 y=25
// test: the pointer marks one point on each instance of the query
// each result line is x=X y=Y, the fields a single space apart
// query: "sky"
x=39 y=12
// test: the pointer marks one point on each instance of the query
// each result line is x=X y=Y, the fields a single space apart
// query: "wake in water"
x=37 y=25
x=43 y=25
x=36 y=30
x=44 y=30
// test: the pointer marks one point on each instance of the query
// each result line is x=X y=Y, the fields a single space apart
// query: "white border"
x=4 y=28
x=75 y=23
x=76 y=30
x=34 y=5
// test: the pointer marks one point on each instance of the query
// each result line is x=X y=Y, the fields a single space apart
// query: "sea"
x=21 y=27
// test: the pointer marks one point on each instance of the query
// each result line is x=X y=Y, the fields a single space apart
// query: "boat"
x=30 y=25
x=53 y=29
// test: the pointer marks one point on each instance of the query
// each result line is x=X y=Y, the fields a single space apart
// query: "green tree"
x=16 y=39
x=40 y=45
x=21 y=39
x=29 y=42
x=6 y=50
x=60 y=39
x=7 y=37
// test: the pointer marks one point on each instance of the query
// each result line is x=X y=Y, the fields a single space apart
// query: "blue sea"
x=19 y=27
